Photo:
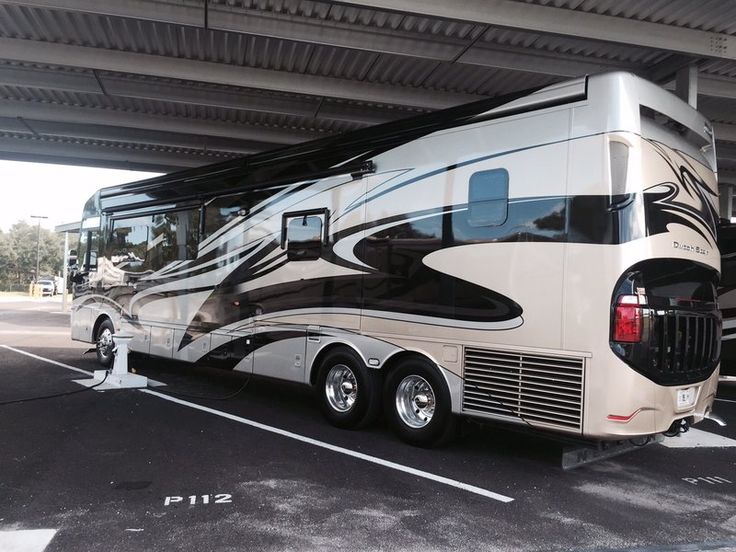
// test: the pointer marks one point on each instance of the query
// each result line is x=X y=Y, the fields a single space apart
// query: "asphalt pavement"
x=163 y=470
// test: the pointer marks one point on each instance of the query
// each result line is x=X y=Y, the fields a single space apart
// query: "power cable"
x=28 y=399
x=206 y=398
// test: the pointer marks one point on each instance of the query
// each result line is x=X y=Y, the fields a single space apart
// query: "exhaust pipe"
x=678 y=427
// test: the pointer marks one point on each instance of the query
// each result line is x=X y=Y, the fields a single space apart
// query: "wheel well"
x=402 y=356
x=387 y=367
x=100 y=320
x=317 y=362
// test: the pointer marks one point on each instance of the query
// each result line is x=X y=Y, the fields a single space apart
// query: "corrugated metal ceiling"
x=345 y=62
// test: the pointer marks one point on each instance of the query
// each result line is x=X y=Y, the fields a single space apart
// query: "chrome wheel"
x=415 y=401
x=105 y=344
x=341 y=388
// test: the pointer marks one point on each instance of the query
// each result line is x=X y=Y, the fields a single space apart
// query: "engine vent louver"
x=540 y=389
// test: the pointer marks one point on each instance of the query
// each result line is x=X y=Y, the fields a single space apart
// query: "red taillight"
x=628 y=319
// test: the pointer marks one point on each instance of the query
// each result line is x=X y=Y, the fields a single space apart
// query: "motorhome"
x=546 y=259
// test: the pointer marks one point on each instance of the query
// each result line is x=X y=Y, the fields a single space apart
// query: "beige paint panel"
x=529 y=273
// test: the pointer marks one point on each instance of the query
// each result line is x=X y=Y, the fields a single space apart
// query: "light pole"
x=38 y=241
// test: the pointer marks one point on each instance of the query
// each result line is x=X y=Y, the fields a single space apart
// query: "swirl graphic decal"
x=686 y=199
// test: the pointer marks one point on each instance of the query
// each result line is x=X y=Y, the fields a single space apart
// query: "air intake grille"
x=686 y=347
x=537 y=388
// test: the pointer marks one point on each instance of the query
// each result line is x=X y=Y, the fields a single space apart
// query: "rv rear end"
x=641 y=262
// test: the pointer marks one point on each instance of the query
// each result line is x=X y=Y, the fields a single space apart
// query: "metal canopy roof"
x=166 y=84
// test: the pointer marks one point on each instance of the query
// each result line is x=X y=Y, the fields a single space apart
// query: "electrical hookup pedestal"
x=118 y=377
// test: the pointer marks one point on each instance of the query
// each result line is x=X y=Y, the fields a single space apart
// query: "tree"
x=18 y=253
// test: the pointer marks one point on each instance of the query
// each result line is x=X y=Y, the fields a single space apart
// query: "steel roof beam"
x=69 y=81
x=725 y=132
x=191 y=94
x=718 y=87
x=136 y=136
x=518 y=59
x=130 y=119
x=546 y=19
x=89 y=162
x=59 y=79
x=31 y=51
x=500 y=13
x=287 y=27
x=258 y=22
x=60 y=149
x=726 y=152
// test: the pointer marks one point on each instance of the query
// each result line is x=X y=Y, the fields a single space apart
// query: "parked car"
x=47 y=287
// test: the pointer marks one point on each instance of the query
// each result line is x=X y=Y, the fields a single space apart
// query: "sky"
x=56 y=191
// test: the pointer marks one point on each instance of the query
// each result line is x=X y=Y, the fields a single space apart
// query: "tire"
x=103 y=343
x=418 y=406
x=349 y=391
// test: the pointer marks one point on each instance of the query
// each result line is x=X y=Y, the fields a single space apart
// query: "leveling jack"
x=118 y=377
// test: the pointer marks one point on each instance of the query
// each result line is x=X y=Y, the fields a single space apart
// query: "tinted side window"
x=128 y=243
x=222 y=210
x=488 y=198
x=173 y=237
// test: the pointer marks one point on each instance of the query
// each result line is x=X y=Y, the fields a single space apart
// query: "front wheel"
x=418 y=405
x=349 y=391
x=104 y=344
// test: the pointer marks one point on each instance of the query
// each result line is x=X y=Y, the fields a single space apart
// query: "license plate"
x=685 y=397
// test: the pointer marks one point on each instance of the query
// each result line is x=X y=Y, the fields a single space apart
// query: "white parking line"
x=726 y=400
x=297 y=437
x=29 y=540
x=335 y=448
x=85 y=372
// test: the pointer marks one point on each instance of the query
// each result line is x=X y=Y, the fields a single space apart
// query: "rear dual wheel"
x=416 y=399
x=417 y=404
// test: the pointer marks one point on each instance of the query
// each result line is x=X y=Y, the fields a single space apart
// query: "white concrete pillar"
x=725 y=192
x=686 y=84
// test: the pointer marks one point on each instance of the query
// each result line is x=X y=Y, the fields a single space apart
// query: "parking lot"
x=162 y=470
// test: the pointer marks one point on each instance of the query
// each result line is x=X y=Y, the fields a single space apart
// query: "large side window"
x=173 y=237
x=488 y=198
x=128 y=244
x=221 y=211
x=303 y=234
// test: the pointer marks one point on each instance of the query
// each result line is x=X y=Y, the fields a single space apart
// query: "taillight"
x=628 y=319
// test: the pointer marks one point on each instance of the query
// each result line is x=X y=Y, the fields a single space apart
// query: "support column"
x=686 y=84
x=725 y=192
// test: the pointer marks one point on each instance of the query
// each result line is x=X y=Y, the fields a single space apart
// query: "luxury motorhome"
x=547 y=259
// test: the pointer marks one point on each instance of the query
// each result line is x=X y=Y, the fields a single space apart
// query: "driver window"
x=128 y=244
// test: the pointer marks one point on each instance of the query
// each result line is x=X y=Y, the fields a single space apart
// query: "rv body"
x=551 y=256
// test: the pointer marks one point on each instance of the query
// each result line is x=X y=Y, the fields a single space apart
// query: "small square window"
x=488 y=198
